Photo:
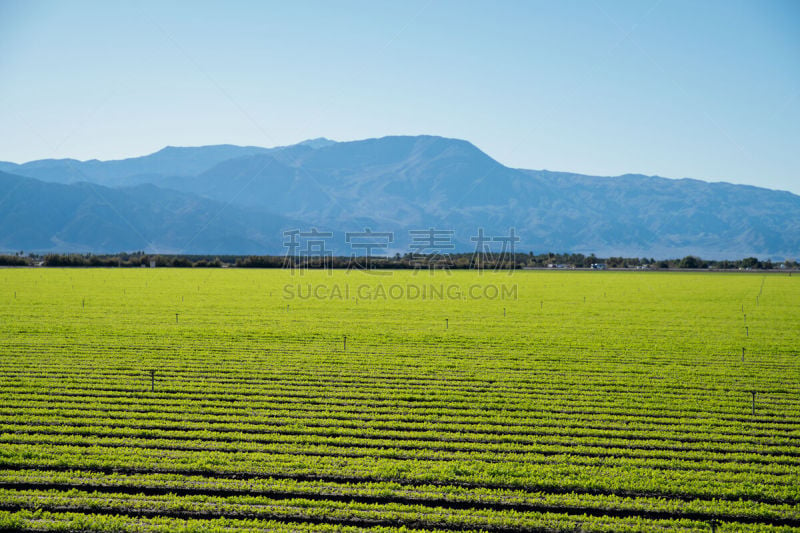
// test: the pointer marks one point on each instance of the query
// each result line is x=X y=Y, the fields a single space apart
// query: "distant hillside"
x=169 y=161
x=84 y=217
x=403 y=183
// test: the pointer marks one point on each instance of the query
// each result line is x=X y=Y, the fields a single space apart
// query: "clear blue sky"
x=703 y=89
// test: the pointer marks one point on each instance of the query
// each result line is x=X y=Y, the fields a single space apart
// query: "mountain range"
x=228 y=199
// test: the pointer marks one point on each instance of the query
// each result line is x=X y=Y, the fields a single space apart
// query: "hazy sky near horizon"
x=709 y=90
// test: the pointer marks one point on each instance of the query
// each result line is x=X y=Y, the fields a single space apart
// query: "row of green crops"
x=275 y=400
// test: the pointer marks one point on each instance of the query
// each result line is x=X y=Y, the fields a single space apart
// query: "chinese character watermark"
x=313 y=254
x=486 y=255
x=429 y=249
x=369 y=243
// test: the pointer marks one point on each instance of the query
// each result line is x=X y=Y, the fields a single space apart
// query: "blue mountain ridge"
x=232 y=199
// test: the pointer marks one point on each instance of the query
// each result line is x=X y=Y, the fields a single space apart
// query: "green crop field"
x=235 y=399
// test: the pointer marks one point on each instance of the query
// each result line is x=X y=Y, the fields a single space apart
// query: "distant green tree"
x=691 y=261
x=750 y=262
x=12 y=260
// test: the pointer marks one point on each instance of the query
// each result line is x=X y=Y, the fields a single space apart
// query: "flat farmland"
x=251 y=400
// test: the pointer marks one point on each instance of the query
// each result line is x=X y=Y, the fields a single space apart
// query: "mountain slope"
x=634 y=213
x=169 y=161
x=86 y=217
x=401 y=183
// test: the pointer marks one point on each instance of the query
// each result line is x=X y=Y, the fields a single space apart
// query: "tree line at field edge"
x=463 y=261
